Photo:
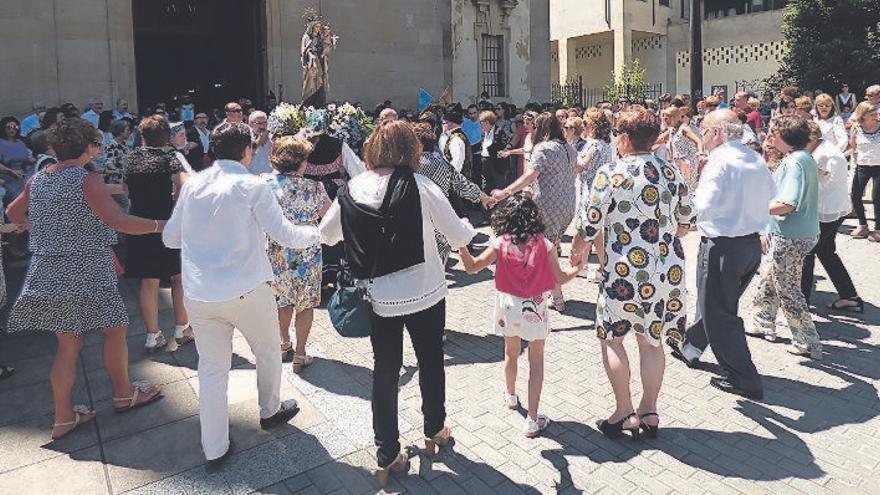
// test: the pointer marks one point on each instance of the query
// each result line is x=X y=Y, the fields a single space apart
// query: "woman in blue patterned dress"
x=297 y=271
x=641 y=205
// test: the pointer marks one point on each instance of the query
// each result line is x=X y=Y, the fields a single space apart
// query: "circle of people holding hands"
x=249 y=228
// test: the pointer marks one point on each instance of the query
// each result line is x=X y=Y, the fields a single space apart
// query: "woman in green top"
x=793 y=231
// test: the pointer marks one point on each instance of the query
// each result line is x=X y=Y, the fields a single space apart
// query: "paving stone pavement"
x=817 y=431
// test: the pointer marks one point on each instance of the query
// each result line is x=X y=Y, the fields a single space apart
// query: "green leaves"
x=829 y=42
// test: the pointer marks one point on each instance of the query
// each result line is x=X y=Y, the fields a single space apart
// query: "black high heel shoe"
x=858 y=308
x=615 y=430
x=650 y=430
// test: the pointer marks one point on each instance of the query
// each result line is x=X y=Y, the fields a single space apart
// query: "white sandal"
x=140 y=387
x=79 y=411
x=155 y=341
x=535 y=427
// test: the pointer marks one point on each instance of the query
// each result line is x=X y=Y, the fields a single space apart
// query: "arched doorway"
x=213 y=50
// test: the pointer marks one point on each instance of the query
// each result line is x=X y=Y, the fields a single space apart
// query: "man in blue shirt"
x=474 y=132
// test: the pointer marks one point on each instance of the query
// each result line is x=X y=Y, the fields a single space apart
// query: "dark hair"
x=473 y=105
x=71 y=137
x=230 y=140
x=454 y=114
x=104 y=120
x=393 y=144
x=6 y=120
x=155 y=131
x=39 y=142
x=426 y=136
x=547 y=128
x=117 y=127
x=794 y=130
x=70 y=110
x=642 y=127
x=288 y=153
x=517 y=217
x=50 y=117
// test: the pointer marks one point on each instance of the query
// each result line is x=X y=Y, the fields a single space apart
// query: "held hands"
x=488 y=201
x=13 y=228
x=503 y=154
x=500 y=195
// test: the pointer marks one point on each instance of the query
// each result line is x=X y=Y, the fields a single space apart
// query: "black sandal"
x=858 y=308
x=650 y=430
x=6 y=371
x=615 y=430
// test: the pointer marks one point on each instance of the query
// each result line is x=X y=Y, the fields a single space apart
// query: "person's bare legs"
x=149 y=303
x=617 y=368
x=303 y=325
x=62 y=376
x=115 y=358
x=180 y=316
x=285 y=315
x=511 y=356
x=652 y=365
x=536 y=376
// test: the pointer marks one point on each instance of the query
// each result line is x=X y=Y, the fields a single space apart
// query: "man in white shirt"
x=731 y=202
x=259 y=123
x=93 y=115
x=220 y=225
x=121 y=111
x=32 y=121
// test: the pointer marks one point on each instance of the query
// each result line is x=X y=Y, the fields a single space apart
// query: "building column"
x=622 y=38
x=562 y=48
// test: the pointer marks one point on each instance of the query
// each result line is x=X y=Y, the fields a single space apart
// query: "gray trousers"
x=725 y=267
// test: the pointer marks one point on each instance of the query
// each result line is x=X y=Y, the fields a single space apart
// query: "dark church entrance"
x=212 y=50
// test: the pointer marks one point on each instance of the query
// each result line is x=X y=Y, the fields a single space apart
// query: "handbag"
x=350 y=308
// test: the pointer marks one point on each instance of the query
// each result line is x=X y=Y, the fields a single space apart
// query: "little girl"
x=527 y=267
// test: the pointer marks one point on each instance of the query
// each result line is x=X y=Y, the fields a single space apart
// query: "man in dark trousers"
x=732 y=208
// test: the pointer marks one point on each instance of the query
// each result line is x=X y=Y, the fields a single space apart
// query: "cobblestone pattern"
x=816 y=432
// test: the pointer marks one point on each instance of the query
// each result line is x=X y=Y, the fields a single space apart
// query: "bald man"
x=387 y=115
x=732 y=208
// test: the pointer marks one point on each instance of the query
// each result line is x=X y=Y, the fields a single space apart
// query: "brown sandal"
x=301 y=361
x=441 y=439
x=400 y=465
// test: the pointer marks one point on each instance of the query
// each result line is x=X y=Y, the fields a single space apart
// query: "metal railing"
x=574 y=93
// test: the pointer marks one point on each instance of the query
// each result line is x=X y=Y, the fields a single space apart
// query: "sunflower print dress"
x=638 y=202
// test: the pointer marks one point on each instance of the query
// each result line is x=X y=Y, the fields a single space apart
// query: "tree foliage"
x=830 y=42
x=629 y=83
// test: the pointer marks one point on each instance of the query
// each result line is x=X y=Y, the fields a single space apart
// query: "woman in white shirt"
x=865 y=141
x=413 y=295
x=834 y=205
x=831 y=125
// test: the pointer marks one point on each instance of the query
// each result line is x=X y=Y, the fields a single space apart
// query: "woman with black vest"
x=390 y=246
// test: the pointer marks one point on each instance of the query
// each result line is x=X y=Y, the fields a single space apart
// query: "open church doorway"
x=212 y=50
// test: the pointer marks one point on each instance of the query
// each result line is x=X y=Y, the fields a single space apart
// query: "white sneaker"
x=511 y=401
x=812 y=351
x=535 y=427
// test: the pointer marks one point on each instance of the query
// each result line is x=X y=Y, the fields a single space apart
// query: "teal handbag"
x=349 y=307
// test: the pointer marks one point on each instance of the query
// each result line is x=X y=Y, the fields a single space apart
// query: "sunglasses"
x=234 y=110
x=567 y=127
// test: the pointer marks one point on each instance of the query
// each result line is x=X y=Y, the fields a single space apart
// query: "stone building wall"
x=72 y=50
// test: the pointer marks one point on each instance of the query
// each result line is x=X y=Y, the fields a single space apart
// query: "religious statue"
x=317 y=43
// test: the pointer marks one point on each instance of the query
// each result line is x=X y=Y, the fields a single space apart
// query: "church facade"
x=151 y=50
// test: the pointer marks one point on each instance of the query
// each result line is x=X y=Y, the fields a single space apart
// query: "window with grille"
x=492 y=62
x=664 y=2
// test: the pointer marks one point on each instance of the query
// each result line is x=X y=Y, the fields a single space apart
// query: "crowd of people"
x=242 y=225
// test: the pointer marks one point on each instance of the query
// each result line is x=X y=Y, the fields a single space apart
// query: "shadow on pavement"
x=689 y=446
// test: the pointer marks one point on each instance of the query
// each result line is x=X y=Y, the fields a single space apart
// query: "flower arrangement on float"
x=347 y=122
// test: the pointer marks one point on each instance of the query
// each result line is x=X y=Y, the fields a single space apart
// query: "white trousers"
x=256 y=317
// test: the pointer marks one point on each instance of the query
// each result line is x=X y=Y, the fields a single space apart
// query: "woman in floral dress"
x=297 y=272
x=641 y=204
x=686 y=145
x=551 y=175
